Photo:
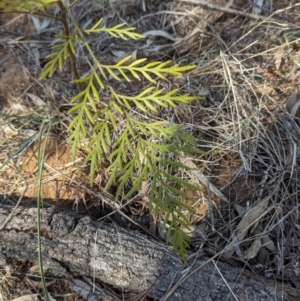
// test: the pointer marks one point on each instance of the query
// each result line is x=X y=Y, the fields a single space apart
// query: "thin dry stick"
x=211 y=214
x=64 y=11
x=226 y=9
x=231 y=291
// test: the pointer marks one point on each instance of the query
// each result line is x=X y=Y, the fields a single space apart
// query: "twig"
x=64 y=21
x=238 y=12
x=225 y=281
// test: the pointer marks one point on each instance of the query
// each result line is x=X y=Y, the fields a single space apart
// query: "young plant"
x=137 y=149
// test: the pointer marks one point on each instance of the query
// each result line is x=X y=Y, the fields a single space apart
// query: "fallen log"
x=129 y=261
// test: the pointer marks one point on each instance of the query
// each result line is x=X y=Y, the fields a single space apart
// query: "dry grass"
x=248 y=69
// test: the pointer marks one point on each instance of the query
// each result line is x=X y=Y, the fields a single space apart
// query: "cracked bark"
x=128 y=260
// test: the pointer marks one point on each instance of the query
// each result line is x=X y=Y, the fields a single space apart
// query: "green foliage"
x=134 y=149
x=58 y=56
x=119 y=31
x=30 y=6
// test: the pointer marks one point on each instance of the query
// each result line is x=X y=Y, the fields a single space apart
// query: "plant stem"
x=64 y=21
x=39 y=204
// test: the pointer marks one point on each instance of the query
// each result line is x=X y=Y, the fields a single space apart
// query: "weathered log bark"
x=127 y=260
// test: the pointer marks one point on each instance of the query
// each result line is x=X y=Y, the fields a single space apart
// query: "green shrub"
x=137 y=150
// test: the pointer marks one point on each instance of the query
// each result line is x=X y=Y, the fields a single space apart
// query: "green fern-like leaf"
x=58 y=57
x=118 y=31
x=148 y=71
x=165 y=201
x=136 y=162
x=149 y=99
x=136 y=150
x=24 y=5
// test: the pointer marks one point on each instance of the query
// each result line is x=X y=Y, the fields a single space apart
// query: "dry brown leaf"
x=161 y=33
x=9 y=130
x=36 y=100
x=145 y=186
x=252 y=215
x=261 y=241
x=240 y=210
x=266 y=89
x=268 y=243
x=265 y=239
x=120 y=54
x=35 y=269
x=17 y=108
x=252 y=251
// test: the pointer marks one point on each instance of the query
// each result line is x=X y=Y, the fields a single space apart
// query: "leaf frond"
x=133 y=150
x=24 y=5
x=57 y=58
x=148 y=100
x=156 y=68
x=118 y=31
